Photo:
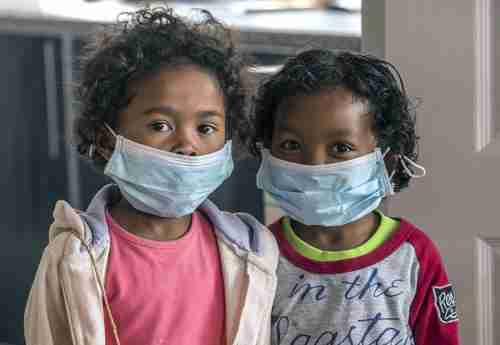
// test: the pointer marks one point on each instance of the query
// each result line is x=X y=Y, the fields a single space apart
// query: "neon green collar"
x=386 y=227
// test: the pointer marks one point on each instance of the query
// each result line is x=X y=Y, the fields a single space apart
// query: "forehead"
x=185 y=88
x=326 y=111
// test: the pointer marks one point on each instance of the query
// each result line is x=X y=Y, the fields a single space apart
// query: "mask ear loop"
x=404 y=160
x=386 y=152
x=110 y=129
x=91 y=151
x=92 y=146
x=392 y=173
x=383 y=157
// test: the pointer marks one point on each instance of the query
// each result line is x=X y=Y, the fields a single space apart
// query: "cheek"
x=370 y=146
x=367 y=142
x=212 y=143
x=295 y=157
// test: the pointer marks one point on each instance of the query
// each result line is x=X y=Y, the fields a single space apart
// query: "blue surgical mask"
x=163 y=183
x=328 y=195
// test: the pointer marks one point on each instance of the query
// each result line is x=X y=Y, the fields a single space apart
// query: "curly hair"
x=371 y=80
x=142 y=42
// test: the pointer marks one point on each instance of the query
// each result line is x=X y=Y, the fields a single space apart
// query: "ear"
x=105 y=143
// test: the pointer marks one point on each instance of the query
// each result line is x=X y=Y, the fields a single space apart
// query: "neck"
x=149 y=226
x=338 y=238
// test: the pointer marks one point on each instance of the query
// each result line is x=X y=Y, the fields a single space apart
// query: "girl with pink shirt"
x=152 y=260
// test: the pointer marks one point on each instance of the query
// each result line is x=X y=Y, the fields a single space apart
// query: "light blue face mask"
x=163 y=183
x=328 y=195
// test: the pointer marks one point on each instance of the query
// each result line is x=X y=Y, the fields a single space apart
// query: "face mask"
x=328 y=195
x=163 y=183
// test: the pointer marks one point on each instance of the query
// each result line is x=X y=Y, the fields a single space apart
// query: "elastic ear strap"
x=110 y=129
x=91 y=151
x=405 y=159
x=101 y=287
x=383 y=157
x=386 y=152
x=392 y=174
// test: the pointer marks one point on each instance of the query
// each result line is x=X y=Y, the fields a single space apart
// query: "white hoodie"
x=65 y=305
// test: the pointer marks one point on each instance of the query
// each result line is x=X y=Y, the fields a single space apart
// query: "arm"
x=45 y=318
x=433 y=313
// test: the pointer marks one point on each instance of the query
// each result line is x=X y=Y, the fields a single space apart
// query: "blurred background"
x=446 y=51
x=40 y=41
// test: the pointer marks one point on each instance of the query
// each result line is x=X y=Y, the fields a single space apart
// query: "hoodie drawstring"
x=101 y=287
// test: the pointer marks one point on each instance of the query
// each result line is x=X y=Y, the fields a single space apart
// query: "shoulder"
x=66 y=219
x=67 y=233
x=424 y=246
x=430 y=262
x=244 y=235
x=240 y=229
x=262 y=240
x=433 y=310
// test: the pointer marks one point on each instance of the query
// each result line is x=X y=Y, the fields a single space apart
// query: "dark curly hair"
x=142 y=42
x=371 y=80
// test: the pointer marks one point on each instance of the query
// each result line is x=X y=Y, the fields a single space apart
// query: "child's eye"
x=290 y=145
x=161 y=126
x=207 y=129
x=341 y=148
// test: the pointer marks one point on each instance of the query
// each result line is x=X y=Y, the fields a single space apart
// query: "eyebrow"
x=283 y=126
x=203 y=114
x=341 y=132
x=161 y=109
x=336 y=132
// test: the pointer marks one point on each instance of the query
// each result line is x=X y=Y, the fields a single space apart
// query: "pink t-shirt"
x=168 y=292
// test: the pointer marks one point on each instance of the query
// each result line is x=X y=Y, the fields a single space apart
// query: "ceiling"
x=272 y=5
x=311 y=17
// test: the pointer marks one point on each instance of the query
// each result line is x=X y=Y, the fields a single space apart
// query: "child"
x=348 y=274
x=152 y=261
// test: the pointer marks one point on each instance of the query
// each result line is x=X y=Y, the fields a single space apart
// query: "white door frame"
x=474 y=21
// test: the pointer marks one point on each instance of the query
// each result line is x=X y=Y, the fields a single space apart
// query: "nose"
x=185 y=144
x=316 y=156
x=186 y=151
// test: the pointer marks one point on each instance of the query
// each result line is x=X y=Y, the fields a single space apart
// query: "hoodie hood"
x=239 y=229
